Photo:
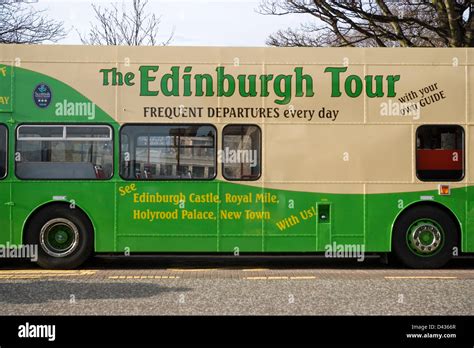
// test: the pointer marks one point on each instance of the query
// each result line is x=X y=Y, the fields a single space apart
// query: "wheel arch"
x=428 y=204
x=49 y=205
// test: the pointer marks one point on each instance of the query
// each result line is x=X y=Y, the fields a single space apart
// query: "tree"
x=405 y=23
x=116 y=26
x=21 y=24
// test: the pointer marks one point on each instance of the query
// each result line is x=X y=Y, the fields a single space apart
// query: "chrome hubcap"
x=59 y=237
x=425 y=238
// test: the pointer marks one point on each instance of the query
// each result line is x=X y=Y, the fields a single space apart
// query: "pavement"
x=191 y=285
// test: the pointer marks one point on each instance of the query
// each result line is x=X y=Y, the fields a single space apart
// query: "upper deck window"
x=440 y=153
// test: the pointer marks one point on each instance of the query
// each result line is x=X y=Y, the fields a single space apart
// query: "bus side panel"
x=468 y=231
x=312 y=221
x=5 y=205
x=469 y=227
x=457 y=202
x=95 y=198
x=241 y=218
x=147 y=223
x=4 y=212
x=6 y=109
x=384 y=208
x=291 y=225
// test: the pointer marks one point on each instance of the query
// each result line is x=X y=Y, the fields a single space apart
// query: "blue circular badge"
x=42 y=95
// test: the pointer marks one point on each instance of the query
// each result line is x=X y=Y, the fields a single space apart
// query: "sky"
x=194 y=22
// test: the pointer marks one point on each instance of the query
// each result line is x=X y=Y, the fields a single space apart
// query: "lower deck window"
x=440 y=153
x=3 y=151
x=64 y=152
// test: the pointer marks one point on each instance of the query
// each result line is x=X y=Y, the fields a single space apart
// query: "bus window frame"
x=216 y=148
x=5 y=175
x=112 y=140
x=259 y=152
x=64 y=137
x=463 y=152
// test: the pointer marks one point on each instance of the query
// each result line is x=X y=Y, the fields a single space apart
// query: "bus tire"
x=424 y=237
x=64 y=237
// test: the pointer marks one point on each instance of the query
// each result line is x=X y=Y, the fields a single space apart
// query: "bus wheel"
x=424 y=237
x=64 y=237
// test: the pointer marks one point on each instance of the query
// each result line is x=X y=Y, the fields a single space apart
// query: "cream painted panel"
x=168 y=55
x=470 y=56
x=415 y=56
x=246 y=55
x=442 y=97
x=58 y=53
x=469 y=152
x=417 y=67
x=375 y=153
x=470 y=93
x=320 y=56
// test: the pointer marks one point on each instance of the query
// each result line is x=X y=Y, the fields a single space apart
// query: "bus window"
x=64 y=152
x=440 y=153
x=241 y=149
x=3 y=151
x=168 y=152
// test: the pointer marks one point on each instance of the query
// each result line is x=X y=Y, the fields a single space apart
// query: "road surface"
x=167 y=285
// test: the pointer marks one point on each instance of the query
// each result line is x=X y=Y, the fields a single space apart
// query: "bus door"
x=5 y=204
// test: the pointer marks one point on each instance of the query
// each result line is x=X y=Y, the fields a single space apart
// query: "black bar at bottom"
x=193 y=330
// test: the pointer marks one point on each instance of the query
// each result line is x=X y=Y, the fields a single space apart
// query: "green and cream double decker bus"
x=236 y=150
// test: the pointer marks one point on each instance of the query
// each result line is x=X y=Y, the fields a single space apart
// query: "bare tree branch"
x=21 y=24
x=406 y=23
x=123 y=26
